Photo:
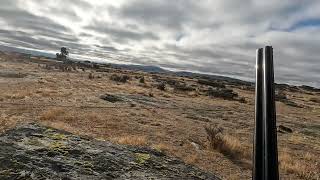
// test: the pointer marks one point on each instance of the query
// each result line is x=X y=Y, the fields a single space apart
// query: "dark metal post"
x=258 y=134
x=265 y=158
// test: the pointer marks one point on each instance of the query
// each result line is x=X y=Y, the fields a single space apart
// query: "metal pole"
x=265 y=159
x=258 y=134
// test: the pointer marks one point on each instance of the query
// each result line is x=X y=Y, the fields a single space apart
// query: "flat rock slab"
x=35 y=152
x=138 y=99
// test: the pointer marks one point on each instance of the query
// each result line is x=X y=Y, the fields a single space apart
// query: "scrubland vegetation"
x=205 y=122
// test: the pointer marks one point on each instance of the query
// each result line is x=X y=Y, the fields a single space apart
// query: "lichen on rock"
x=36 y=152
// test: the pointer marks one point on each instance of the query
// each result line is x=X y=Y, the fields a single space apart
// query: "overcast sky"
x=210 y=36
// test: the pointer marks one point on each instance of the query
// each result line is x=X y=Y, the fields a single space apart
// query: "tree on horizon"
x=63 y=54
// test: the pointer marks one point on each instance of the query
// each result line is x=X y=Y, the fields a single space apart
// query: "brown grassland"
x=175 y=122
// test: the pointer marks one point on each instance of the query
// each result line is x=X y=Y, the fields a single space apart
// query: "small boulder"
x=161 y=86
x=222 y=93
x=120 y=78
x=284 y=129
x=111 y=98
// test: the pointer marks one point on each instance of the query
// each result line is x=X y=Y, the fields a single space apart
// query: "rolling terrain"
x=177 y=114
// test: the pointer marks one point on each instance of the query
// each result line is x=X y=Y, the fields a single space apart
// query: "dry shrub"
x=303 y=168
x=6 y=122
x=142 y=80
x=214 y=136
x=119 y=78
x=226 y=144
x=132 y=140
x=91 y=76
x=52 y=114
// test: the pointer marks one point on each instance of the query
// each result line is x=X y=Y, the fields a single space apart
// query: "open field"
x=173 y=120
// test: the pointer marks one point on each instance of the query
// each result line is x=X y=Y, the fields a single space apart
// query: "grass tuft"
x=132 y=140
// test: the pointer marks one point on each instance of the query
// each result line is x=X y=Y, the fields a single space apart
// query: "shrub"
x=91 y=76
x=214 y=136
x=120 y=78
x=142 y=80
x=161 y=86
x=225 y=144
x=132 y=140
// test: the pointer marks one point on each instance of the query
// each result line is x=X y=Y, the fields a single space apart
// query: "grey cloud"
x=207 y=36
x=121 y=34
x=170 y=14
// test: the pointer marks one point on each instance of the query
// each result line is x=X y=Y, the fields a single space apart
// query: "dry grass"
x=231 y=146
x=52 y=114
x=192 y=159
x=227 y=155
x=93 y=117
x=132 y=140
x=304 y=168
x=226 y=144
x=6 y=122
x=162 y=147
x=17 y=95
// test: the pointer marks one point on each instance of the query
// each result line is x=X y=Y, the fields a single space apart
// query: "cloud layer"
x=218 y=37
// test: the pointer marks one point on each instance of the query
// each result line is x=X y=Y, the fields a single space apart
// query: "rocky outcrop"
x=222 y=93
x=36 y=152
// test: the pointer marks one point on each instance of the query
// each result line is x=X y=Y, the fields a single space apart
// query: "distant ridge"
x=156 y=69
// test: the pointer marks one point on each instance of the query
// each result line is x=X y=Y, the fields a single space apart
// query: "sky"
x=207 y=36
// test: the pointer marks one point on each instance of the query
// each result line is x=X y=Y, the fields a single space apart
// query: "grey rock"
x=35 y=152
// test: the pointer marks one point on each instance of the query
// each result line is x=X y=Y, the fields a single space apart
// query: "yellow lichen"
x=57 y=136
x=58 y=147
x=141 y=158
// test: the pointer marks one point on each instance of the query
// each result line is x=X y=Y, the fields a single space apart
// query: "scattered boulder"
x=280 y=96
x=293 y=104
x=242 y=100
x=12 y=74
x=217 y=84
x=284 y=129
x=119 y=78
x=222 y=93
x=161 y=86
x=315 y=99
x=111 y=98
x=183 y=87
x=141 y=80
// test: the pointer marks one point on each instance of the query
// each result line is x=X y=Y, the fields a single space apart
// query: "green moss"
x=141 y=158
